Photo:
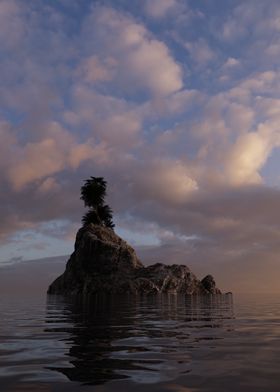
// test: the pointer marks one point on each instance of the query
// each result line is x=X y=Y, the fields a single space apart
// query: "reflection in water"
x=146 y=339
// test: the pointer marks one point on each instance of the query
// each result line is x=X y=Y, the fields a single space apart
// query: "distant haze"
x=242 y=276
x=30 y=277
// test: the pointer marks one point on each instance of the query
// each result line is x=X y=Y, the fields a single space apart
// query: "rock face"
x=104 y=263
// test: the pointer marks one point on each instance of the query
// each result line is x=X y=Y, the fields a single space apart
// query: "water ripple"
x=202 y=343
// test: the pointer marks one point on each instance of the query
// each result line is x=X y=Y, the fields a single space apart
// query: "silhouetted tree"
x=106 y=215
x=93 y=193
x=91 y=217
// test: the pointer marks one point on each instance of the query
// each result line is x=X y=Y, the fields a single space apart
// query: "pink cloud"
x=140 y=58
x=159 y=8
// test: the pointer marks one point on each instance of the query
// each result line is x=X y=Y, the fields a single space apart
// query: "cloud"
x=103 y=94
x=257 y=24
x=8 y=140
x=80 y=153
x=114 y=121
x=165 y=180
x=232 y=30
x=49 y=185
x=12 y=28
x=231 y=62
x=26 y=170
x=159 y=8
x=239 y=21
x=200 y=51
x=140 y=60
x=239 y=117
x=246 y=158
x=36 y=161
x=92 y=70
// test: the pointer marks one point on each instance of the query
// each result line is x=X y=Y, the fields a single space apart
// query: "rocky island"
x=102 y=262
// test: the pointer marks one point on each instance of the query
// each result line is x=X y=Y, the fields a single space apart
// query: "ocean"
x=161 y=343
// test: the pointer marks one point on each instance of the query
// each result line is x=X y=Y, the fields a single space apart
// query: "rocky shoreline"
x=102 y=262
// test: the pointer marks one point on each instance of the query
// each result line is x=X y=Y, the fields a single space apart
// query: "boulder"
x=102 y=262
x=210 y=285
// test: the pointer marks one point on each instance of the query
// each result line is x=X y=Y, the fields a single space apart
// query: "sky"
x=175 y=103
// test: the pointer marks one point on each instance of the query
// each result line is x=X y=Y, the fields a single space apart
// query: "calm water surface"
x=165 y=343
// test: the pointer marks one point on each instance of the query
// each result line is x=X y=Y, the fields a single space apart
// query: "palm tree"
x=93 y=193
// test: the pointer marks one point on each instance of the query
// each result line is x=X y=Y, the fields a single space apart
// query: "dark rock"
x=210 y=285
x=104 y=263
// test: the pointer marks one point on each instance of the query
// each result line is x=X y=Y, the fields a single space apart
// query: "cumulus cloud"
x=246 y=158
x=113 y=121
x=45 y=152
x=239 y=117
x=187 y=163
x=165 y=180
x=92 y=70
x=140 y=59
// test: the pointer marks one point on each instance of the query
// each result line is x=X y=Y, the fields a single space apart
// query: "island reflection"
x=146 y=339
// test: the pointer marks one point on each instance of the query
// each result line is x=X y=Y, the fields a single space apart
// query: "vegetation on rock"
x=102 y=262
x=93 y=193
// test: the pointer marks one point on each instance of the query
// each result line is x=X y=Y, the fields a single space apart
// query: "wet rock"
x=102 y=262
